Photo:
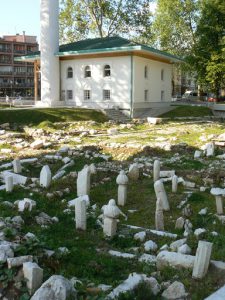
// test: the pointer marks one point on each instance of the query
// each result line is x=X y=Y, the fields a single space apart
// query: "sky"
x=17 y=16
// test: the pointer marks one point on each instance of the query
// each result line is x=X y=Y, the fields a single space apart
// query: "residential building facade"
x=16 y=77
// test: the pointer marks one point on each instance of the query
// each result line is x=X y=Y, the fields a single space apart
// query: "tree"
x=175 y=24
x=101 y=18
x=209 y=50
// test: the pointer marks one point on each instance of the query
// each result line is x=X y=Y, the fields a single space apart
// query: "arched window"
x=87 y=72
x=69 y=72
x=107 y=71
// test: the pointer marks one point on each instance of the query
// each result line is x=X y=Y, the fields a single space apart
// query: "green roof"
x=102 y=45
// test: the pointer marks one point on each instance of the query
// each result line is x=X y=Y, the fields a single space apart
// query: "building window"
x=87 y=94
x=162 y=95
x=162 y=74
x=106 y=94
x=87 y=72
x=146 y=72
x=69 y=72
x=69 y=94
x=146 y=95
x=107 y=71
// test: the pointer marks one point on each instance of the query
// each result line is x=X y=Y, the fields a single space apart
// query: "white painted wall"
x=153 y=83
x=119 y=82
x=49 y=45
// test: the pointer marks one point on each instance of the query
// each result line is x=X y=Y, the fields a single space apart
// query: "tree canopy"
x=208 y=55
x=101 y=18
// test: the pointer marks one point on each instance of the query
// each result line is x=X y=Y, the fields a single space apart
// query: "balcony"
x=19 y=51
x=6 y=62
x=16 y=85
x=6 y=72
x=5 y=50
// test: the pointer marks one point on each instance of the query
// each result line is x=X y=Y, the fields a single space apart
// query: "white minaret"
x=49 y=45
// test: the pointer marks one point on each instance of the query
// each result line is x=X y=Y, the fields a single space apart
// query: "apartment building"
x=16 y=77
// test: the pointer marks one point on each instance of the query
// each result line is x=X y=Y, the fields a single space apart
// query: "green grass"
x=89 y=260
x=36 y=116
x=188 y=111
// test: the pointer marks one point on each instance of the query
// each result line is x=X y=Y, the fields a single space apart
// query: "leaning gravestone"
x=45 y=176
x=156 y=170
x=202 y=259
x=133 y=172
x=161 y=194
x=83 y=182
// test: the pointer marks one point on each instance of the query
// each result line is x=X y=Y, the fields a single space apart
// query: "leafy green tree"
x=209 y=50
x=175 y=24
x=101 y=18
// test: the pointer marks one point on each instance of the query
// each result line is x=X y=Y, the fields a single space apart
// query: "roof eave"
x=97 y=51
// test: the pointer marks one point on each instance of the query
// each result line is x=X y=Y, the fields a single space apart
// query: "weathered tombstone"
x=159 y=220
x=156 y=170
x=187 y=211
x=92 y=169
x=202 y=259
x=45 y=176
x=122 y=181
x=109 y=227
x=197 y=154
x=133 y=172
x=179 y=223
x=17 y=168
x=9 y=183
x=174 y=183
x=111 y=213
x=80 y=214
x=187 y=227
x=161 y=194
x=34 y=276
x=219 y=205
x=210 y=149
x=83 y=182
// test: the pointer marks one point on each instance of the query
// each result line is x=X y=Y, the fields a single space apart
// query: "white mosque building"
x=99 y=73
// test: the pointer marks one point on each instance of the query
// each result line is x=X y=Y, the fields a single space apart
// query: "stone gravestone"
x=17 y=168
x=159 y=220
x=9 y=183
x=83 y=182
x=156 y=170
x=202 y=259
x=210 y=149
x=80 y=214
x=45 y=176
x=110 y=213
x=174 y=183
x=219 y=205
x=34 y=276
x=122 y=181
x=133 y=172
x=161 y=194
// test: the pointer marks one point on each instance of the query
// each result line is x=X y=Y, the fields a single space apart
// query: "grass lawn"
x=188 y=111
x=36 y=116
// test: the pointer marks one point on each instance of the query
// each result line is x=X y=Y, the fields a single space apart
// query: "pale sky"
x=17 y=16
